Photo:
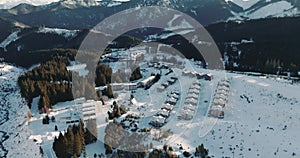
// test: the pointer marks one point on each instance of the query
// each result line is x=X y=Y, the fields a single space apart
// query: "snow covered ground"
x=245 y=4
x=271 y=9
x=63 y=32
x=261 y=115
x=14 y=132
x=11 y=38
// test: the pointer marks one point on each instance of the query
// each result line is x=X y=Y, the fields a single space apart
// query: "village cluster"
x=191 y=102
x=220 y=99
x=161 y=117
x=160 y=79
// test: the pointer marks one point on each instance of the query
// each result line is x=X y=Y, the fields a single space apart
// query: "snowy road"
x=48 y=151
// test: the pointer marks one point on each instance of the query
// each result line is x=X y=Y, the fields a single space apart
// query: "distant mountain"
x=81 y=14
x=267 y=29
x=269 y=8
x=7 y=4
x=7 y=26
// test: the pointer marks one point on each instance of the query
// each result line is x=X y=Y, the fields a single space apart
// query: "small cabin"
x=157 y=121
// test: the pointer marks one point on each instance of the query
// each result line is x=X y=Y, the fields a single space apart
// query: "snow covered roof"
x=123 y=84
x=189 y=107
x=175 y=92
x=161 y=87
x=165 y=84
x=176 y=96
x=219 y=101
x=168 y=106
x=158 y=119
x=197 y=82
x=171 y=80
x=193 y=91
x=192 y=95
x=172 y=100
x=221 y=91
x=191 y=100
x=145 y=81
x=163 y=112
x=196 y=86
x=223 y=88
x=216 y=107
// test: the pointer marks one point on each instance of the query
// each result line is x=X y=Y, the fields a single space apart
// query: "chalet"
x=185 y=116
x=175 y=92
x=191 y=101
x=221 y=98
x=224 y=84
x=167 y=107
x=193 y=91
x=146 y=82
x=197 y=83
x=192 y=95
x=219 y=102
x=174 y=78
x=157 y=65
x=161 y=88
x=137 y=55
x=150 y=64
x=216 y=111
x=123 y=86
x=188 y=73
x=221 y=91
x=225 y=80
x=157 y=121
x=171 y=81
x=220 y=95
x=207 y=77
x=200 y=76
x=196 y=87
x=163 y=113
x=171 y=101
x=166 y=84
x=216 y=114
x=175 y=96
x=189 y=107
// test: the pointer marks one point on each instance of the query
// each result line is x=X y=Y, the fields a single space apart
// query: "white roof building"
x=147 y=80
x=163 y=113
x=196 y=91
x=192 y=95
x=168 y=106
x=171 y=100
x=158 y=121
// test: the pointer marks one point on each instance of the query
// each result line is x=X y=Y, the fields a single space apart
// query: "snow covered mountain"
x=6 y=4
x=79 y=14
x=258 y=9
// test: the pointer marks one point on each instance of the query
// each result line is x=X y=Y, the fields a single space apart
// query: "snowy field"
x=14 y=132
x=261 y=115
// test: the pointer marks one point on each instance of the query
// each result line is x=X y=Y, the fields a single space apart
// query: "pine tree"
x=91 y=131
x=70 y=138
x=109 y=91
x=77 y=144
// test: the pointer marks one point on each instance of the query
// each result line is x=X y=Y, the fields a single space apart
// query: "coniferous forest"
x=52 y=82
x=72 y=142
